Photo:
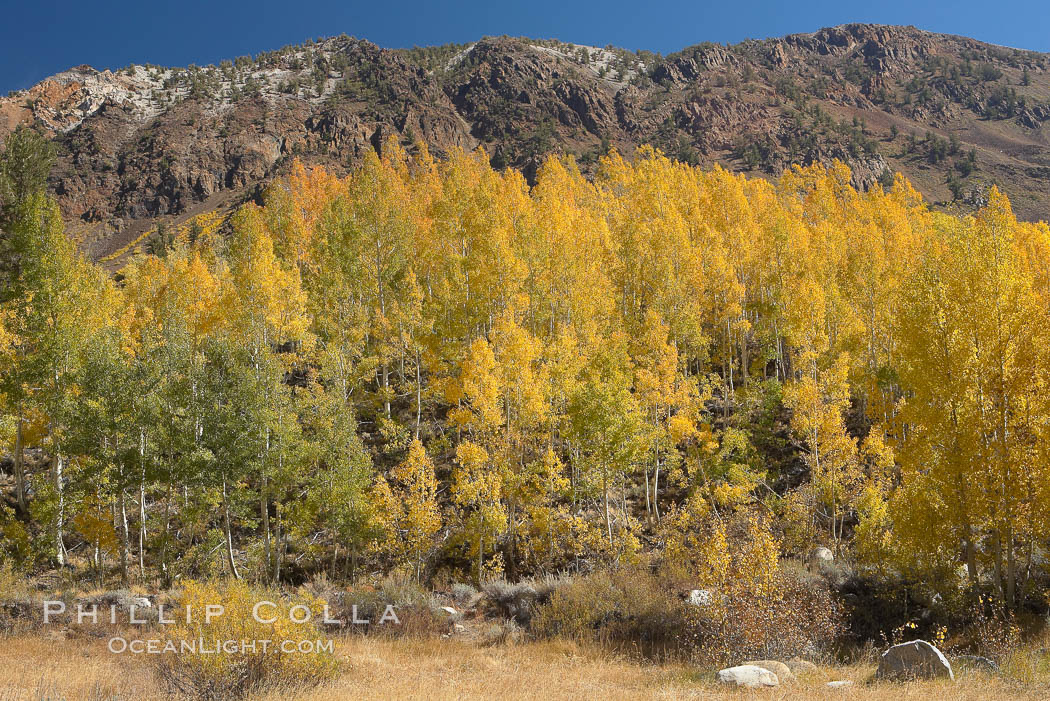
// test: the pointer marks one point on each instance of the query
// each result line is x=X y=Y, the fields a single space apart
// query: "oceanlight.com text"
x=202 y=646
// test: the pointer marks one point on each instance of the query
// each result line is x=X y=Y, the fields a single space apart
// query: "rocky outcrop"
x=122 y=158
x=881 y=48
x=149 y=142
x=523 y=102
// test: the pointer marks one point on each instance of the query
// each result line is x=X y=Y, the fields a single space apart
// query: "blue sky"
x=40 y=38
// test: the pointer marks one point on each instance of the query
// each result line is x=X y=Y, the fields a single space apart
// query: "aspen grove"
x=431 y=367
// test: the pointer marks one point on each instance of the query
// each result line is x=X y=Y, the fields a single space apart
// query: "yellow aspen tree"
x=757 y=565
x=524 y=436
x=606 y=425
x=270 y=312
x=972 y=335
x=935 y=356
x=664 y=395
x=567 y=249
x=544 y=487
x=420 y=519
x=12 y=417
x=477 y=488
x=818 y=406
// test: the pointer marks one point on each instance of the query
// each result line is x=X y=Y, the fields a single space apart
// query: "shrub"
x=518 y=601
x=760 y=609
x=13 y=584
x=414 y=607
x=627 y=609
x=756 y=608
x=795 y=618
x=16 y=543
x=463 y=593
x=204 y=672
x=17 y=609
x=989 y=629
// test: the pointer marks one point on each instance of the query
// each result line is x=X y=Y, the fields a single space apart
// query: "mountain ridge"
x=148 y=144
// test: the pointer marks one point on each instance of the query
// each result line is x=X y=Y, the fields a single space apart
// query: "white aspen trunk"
x=419 y=396
x=229 y=532
x=279 y=549
x=125 y=539
x=264 y=512
x=605 y=499
x=648 y=505
x=56 y=474
x=142 y=504
x=19 y=465
x=656 y=491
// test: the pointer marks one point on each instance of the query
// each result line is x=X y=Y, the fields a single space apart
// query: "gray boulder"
x=748 y=676
x=839 y=684
x=122 y=599
x=914 y=660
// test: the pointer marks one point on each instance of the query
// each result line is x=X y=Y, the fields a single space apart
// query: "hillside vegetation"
x=664 y=379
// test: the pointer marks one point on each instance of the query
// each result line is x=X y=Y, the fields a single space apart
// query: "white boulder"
x=700 y=597
x=748 y=676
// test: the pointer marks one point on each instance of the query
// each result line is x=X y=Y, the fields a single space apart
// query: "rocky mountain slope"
x=148 y=143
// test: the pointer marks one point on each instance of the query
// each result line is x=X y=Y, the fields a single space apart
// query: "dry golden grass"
x=83 y=669
x=441 y=669
x=36 y=668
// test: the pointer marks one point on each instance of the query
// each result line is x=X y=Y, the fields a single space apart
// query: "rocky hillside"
x=146 y=142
